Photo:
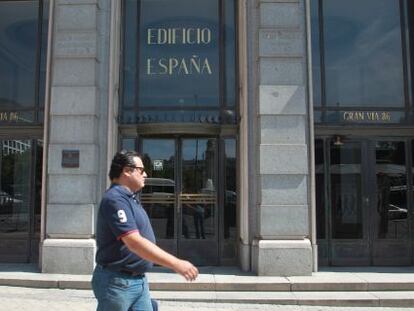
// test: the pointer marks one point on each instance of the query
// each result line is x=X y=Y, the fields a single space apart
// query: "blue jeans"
x=116 y=291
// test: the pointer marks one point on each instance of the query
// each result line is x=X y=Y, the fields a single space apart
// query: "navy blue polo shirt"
x=120 y=214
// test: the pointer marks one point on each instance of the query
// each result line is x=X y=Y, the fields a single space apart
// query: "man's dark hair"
x=122 y=159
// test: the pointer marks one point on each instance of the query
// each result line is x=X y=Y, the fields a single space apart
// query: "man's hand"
x=186 y=269
x=151 y=252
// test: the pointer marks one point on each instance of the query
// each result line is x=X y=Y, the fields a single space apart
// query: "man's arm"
x=151 y=252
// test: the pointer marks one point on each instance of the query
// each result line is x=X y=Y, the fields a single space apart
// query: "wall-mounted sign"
x=360 y=117
x=179 y=53
x=184 y=64
x=9 y=116
x=369 y=116
x=158 y=165
x=70 y=158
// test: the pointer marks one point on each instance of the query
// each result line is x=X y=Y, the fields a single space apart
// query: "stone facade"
x=278 y=209
x=281 y=244
x=75 y=119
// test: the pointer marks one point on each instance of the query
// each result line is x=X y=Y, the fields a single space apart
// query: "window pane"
x=412 y=170
x=179 y=53
x=230 y=51
x=228 y=248
x=15 y=199
x=346 y=210
x=363 y=53
x=230 y=198
x=43 y=56
x=199 y=189
x=392 y=216
x=130 y=54
x=18 y=35
x=158 y=195
x=38 y=187
x=128 y=144
x=171 y=62
x=320 y=189
x=35 y=237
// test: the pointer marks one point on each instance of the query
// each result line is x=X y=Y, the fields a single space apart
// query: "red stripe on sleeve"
x=127 y=233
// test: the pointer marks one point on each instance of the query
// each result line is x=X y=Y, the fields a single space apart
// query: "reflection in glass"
x=23 y=42
x=20 y=194
x=199 y=191
x=38 y=192
x=318 y=116
x=18 y=33
x=230 y=52
x=15 y=188
x=171 y=61
x=179 y=46
x=320 y=189
x=43 y=55
x=392 y=213
x=130 y=54
x=363 y=53
x=346 y=212
x=128 y=143
x=158 y=195
x=230 y=197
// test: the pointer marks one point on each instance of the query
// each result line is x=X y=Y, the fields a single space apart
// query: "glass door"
x=159 y=194
x=348 y=236
x=390 y=221
x=198 y=239
x=180 y=195
x=20 y=184
x=363 y=209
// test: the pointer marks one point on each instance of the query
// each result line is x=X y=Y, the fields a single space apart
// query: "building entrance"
x=183 y=198
x=184 y=119
x=364 y=206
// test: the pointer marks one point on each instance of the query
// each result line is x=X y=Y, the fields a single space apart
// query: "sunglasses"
x=139 y=168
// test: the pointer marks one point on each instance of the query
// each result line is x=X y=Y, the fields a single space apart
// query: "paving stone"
x=322 y=281
x=247 y=283
x=349 y=298
x=30 y=299
x=184 y=295
x=219 y=288
x=388 y=281
x=281 y=298
x=395 y=299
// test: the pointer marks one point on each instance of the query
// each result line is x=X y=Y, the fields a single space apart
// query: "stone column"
x=69 y=246
x=281 y=245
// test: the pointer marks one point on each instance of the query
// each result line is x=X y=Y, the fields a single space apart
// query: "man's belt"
x=132 y=273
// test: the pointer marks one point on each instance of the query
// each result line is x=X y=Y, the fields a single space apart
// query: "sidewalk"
x=38 y=299
x=379 y=286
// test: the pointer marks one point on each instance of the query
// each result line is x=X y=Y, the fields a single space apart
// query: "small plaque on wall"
x=70 y=158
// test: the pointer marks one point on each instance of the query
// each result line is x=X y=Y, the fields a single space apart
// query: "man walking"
x=126 y=242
